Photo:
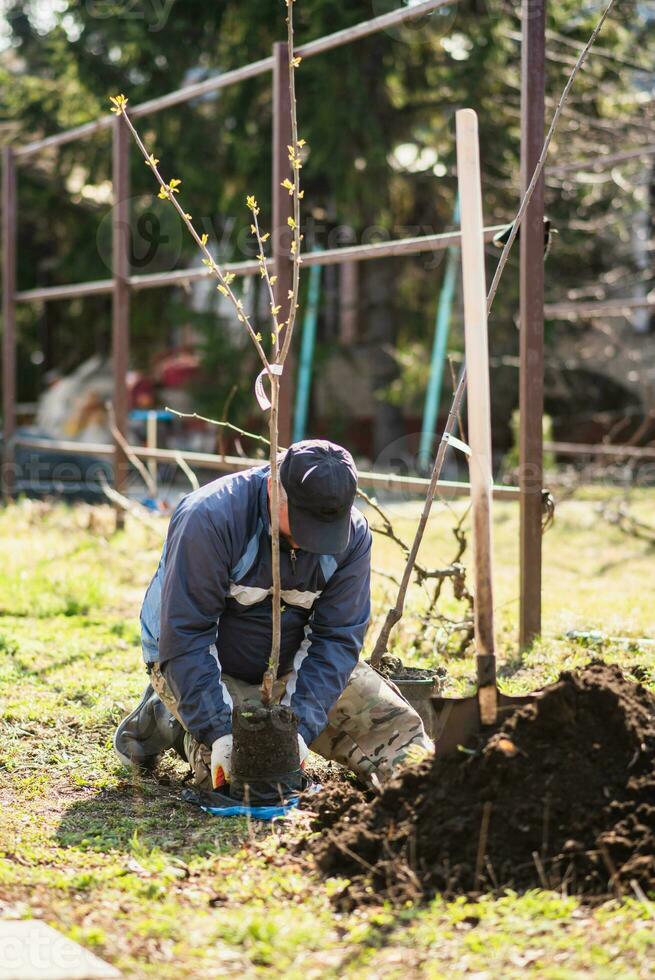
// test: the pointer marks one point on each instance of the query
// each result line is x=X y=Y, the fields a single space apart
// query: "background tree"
x=378 y=117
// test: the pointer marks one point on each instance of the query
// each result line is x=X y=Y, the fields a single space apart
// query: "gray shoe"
x=147 y=732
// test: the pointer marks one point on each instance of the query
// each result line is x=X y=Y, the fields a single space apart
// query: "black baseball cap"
x=320 y=479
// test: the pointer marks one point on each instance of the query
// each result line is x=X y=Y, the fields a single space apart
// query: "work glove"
x=221 y=763
x=303 y=751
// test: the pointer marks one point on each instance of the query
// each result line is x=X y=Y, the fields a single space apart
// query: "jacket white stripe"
x=295 y=598
x=302 y=653
x=227 y=697
x=247 y=595
x=247 y=559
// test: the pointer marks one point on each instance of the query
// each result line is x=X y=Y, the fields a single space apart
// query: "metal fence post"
x=120 y=293
x=8 y=318
x=531 y=383
x=151 y=443
x=282 y=209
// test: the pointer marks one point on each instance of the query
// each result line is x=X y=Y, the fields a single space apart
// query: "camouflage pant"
x=370 y=729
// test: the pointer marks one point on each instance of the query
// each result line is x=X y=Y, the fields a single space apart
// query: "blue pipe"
x=305 y=365
x=439 y=347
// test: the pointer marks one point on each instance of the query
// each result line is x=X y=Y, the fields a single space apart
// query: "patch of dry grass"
x=162 y=890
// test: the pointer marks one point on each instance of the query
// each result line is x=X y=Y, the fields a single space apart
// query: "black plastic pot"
x=265 y=758
x=415 y=684
x=418 y=692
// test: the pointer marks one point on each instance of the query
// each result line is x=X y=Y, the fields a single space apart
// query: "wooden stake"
x=479 y=413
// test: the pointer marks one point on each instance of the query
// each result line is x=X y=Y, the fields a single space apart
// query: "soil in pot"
x=265 y=758
x=395 y=670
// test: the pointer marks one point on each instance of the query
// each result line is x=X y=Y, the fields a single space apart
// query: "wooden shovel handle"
x=479 y=404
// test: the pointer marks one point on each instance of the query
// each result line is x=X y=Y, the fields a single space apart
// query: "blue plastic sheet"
x=256 y=812
x=221 y=805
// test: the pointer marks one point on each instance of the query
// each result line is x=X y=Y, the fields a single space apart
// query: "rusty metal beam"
x=177 y=97
x=601 y=449
x=384 y=22
x=334 y=256
x=600 y=308
x=602 y=162
x=44 y=294
x=153 y=280
x=281 y=234
x=230 y=464
x=181 y=277
x=9 y=205
x=121 y=292
x=392 y=249
x=189 y=92
x=531 y=378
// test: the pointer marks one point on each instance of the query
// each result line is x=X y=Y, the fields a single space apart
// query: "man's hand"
x=221 y=763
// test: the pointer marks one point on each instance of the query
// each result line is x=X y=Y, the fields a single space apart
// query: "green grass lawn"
x=126 y=868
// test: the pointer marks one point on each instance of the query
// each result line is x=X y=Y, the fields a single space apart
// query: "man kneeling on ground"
x=206 y=624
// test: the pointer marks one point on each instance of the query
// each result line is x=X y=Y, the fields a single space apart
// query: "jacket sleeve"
x=334 y=637
x=196 y=580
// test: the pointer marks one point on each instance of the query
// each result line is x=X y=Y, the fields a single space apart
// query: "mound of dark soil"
x=334 y=801
x=563 y=796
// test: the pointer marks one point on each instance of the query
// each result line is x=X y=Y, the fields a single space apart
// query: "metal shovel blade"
x=457 y=720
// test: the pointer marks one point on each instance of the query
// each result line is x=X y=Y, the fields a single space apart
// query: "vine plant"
x=282 y=330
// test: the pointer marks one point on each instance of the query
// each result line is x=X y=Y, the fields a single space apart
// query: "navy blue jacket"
x=208 y=608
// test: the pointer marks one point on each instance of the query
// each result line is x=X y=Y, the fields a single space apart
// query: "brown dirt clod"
x=562 y=796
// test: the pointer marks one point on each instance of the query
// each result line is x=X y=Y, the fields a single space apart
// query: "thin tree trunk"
x=271 y=672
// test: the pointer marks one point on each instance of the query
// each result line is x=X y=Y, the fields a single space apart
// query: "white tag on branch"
x=457 y=444
x=262 y=397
